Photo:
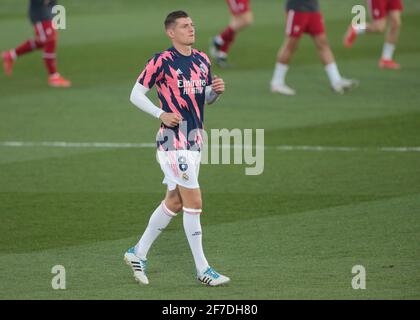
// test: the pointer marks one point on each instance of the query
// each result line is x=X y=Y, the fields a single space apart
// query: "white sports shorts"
x=180 y=167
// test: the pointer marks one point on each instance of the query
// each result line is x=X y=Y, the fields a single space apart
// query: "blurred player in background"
x=381 y=12
x=241 y=18
x=40 y=13
x=184 y=85
x=303 y=16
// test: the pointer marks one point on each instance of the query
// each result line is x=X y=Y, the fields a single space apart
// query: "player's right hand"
x=170 y=119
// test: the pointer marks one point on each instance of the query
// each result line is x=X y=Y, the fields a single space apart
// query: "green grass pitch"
x=294 y=232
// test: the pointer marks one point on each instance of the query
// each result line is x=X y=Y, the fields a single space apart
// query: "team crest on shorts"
x=185 y=177
x=183 y=166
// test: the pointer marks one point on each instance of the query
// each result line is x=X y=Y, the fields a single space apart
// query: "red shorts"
x=238 y=7
x=304 y=22
x=380 y=8
x=44 y=31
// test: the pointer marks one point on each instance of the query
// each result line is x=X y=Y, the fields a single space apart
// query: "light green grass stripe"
x=308 y=255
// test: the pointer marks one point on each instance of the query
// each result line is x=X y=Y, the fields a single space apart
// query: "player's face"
x=183 y=31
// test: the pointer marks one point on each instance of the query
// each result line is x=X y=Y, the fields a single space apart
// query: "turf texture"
x=293 y=232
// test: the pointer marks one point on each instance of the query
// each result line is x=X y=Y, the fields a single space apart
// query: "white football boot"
x=212 y=278
x=344 y=85
x=283 y=89
x=349 y=84
x=137 y=265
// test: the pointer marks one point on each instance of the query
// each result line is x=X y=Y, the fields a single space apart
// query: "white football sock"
x=333 y=73
x=279 y=75
x=388 y=51
x=218 y=39
x=222 y=54
x=192 y=229
x=157 y=222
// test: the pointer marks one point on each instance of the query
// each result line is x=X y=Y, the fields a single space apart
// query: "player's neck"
x=183 y=49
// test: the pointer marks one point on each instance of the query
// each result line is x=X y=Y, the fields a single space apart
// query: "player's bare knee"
x=173 y=204
x=195 y=203
x=291 y=45
x=241 y=22
x=322 y=43
x=395 y=23
x=176 y=207
x=379 y=26
x=173 y=201
x=248 y=20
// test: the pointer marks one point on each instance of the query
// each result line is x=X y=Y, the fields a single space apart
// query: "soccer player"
x=40 y=13
x=241 y=18
x=381 y=11
x=303 y=16
x=184 y=85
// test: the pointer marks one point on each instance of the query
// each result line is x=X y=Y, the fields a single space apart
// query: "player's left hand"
x=218 y=85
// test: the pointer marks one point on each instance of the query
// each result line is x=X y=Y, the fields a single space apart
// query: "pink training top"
x=180 y=84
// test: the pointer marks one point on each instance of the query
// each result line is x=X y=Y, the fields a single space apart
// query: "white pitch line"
x=128 y=145
x=318 y=148
x=62 y=144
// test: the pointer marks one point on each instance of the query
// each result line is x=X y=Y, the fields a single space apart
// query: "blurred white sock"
x=192 y=227
x=279 y=75
x=333 y=73
x=360 y=28
x=157 y=222
x=388 y=51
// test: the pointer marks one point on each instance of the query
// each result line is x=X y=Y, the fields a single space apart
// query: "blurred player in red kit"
x=40 y=13
x=241 y=18
x=381 y=12
x=303 y=16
